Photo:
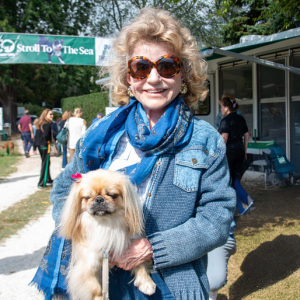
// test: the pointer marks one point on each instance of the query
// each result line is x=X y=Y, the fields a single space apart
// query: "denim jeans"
x=121 y=287
x=65 y=160
x=26 y=137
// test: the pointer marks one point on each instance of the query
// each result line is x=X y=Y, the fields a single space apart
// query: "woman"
x=77 y=127
x=177 y=162
x=234 y=131
x=66 y=115
x=42 y=140
x=34 y=133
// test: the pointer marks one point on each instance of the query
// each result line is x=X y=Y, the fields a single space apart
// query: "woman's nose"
x=154 y=76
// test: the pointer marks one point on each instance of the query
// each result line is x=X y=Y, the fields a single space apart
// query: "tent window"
x=237 y=81
x=271 y=81
x=202 y=108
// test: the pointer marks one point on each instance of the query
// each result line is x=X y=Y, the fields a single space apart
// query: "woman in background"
x=65 y=117
x=42 y=140
x=234 y=131
x=77 y=127
x=34 y=133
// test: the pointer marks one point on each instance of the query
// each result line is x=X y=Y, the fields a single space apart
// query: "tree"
x=263 y=17
x=50 y=83
x=19 y=82
x=199 y=16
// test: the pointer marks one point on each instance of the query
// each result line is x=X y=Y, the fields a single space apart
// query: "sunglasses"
x=140 y=67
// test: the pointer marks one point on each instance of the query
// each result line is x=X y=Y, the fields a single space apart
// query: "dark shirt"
x=236 y=126
x=54 y=129
x=61 y=125
x=43 y=135
x=24 y=123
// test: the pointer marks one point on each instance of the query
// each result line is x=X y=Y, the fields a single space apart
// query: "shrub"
x=90 y=104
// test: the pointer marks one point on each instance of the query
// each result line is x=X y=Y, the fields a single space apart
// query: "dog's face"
x=105 y=195
x=101 y=195
x=57 y=45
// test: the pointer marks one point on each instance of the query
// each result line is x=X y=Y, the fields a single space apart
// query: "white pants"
x=217 y=264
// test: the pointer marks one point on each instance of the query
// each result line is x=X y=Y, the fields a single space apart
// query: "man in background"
x=25 y=128
x=99 y=116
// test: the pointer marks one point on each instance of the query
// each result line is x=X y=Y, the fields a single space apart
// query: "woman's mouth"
x=155 y=91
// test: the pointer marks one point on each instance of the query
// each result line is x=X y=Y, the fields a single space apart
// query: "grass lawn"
x=18 y=215
x=8 y=163
x=266 y=265
x=21 y=213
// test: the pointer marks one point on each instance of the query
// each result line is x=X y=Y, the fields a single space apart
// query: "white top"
x=76 y=128
x=127 y=155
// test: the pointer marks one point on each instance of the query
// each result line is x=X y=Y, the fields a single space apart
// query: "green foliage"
x=198 y=15
x=33 y=108
x=35 y=84
x=90 y=104
x=33 y=207
x=48 y=17
x=261 y=17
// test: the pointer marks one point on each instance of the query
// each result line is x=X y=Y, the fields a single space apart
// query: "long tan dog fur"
x=101 y=214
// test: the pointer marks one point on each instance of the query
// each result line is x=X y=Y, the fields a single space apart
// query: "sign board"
x=109 y=110
x=17 y=48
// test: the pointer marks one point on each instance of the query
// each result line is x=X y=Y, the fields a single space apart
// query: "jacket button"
x=149 y=194
x=158 y=163
x=194 y=161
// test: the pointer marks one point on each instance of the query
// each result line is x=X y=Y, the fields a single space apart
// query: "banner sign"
x=16 y=48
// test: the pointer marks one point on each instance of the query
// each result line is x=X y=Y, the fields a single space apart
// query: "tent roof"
x=255 y=41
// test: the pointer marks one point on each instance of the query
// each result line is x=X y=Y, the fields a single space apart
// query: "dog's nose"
x=99 y=199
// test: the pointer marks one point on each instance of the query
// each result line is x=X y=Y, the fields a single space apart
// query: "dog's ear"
x=133 y=212
x=70 y=218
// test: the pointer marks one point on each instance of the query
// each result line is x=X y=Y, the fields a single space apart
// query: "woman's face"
x=224 y=110
x=49 y=115
x=154 y=92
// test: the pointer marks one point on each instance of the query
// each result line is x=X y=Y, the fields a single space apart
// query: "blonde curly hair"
x=156 y=26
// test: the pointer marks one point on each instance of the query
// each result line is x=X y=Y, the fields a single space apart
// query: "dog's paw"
x=146 y=287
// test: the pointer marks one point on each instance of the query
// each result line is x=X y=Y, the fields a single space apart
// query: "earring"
x=183 y=89
x=129 y=92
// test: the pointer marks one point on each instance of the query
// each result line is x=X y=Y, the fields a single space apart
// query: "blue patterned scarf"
x=172 y=131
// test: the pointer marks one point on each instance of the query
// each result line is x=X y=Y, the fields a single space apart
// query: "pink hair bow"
x=76 y=177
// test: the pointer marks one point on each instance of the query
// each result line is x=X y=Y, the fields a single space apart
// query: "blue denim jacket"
x=188 y=209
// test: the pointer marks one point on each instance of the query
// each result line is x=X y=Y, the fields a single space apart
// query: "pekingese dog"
x=101 y=215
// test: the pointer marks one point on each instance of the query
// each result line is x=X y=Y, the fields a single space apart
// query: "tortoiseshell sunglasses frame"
x=154 y=64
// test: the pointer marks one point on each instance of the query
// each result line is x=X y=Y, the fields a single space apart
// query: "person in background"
x=25 y=127
x=177 y=162
x=58 y=120
x=66 y=115
x=54 y=129
x=99 y=116
x=234 y=131
x=77 y=127
x=42 y=140
x=34 y=147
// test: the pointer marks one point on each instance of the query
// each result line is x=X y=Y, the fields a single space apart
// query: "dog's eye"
x=113 y=195
x=87 y=198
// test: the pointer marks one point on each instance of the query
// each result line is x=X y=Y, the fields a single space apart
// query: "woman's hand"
x=138 y=252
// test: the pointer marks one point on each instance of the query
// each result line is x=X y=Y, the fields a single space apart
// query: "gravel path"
x=21 y=254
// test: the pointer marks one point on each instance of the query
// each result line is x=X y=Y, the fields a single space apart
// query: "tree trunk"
x=8 y=102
